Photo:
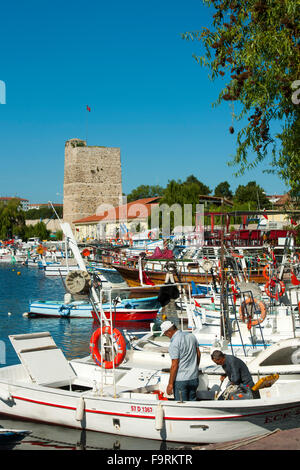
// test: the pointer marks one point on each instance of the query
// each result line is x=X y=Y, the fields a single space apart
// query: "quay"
x=275 y=440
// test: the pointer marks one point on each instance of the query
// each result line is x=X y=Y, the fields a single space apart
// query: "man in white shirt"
x=185 y=355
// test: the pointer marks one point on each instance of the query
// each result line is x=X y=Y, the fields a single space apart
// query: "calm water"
x=19 y=285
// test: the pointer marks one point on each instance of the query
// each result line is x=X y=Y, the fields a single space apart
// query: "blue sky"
x=128 y=62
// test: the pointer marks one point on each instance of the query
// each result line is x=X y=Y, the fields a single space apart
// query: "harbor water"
x=19 y=285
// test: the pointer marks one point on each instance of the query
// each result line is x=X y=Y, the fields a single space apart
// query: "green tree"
x=38 y=230
x=145 y=191
x=203 y=190
x=251 y=193
x=43 y=213
x=12 y=219
x=223 y=190
x=254 y=45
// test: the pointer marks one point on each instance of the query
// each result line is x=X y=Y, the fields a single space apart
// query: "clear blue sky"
x=128 y=62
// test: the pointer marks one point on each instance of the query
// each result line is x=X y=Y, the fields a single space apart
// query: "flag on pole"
x=88 y=108
x=293 y=222
x=265 y=215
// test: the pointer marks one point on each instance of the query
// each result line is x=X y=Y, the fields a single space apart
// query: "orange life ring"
x=244 y=315
x=96 y=353
x=271 y=283
x=266 y=276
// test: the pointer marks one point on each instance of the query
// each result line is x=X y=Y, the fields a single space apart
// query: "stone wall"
x=92 y=176
x=53 y=225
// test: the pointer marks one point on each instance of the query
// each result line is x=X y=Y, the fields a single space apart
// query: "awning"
x=255 y=235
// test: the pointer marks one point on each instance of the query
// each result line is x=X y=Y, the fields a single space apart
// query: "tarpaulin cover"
x=162 y=254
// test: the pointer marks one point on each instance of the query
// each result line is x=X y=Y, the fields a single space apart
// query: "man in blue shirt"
x=185 y=355
x=235 y=369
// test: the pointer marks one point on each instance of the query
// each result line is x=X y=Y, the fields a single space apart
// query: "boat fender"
x=80 y=409
x=64 y=310
x=159 y=417
x=5 y=395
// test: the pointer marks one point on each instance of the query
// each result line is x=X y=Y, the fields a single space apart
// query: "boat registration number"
x=141 y=409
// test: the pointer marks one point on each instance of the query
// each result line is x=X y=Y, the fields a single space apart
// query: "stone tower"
x=92 y=177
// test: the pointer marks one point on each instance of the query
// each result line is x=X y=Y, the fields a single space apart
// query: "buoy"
x=159 y=417
x=80 y=409
x=18 y=273
x=5 y=395
x=9 y=313
x=25 y=314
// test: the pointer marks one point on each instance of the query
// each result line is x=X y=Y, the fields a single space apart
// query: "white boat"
x=127 y=400
x=130 y=398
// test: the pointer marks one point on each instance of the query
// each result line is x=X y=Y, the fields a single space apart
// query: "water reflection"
x=53 y=437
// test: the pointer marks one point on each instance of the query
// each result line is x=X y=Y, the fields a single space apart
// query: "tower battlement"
x=92 y=176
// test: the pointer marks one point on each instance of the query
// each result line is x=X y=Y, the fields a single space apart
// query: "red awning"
x=274 y=234
x=255 y=234
x=244 y=234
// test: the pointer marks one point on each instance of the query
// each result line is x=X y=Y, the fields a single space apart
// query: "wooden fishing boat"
x=131 y=275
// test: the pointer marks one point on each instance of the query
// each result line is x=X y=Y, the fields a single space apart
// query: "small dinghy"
x=12 y=435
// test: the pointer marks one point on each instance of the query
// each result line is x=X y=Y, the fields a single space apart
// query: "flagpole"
x=86 y=130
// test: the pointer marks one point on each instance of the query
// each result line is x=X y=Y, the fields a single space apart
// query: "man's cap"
x=165 y=326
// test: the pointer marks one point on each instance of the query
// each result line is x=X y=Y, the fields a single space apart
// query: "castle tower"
x=92 y=177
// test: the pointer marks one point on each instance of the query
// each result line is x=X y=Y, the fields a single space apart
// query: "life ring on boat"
x=96 y=353
x=265 y=274
x=245 y=316
x=272 y=283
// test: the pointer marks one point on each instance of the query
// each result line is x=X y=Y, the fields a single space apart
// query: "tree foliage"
x=254 y=45
x=12 y=223
x=145 y=191
x=251 y=193
x=43 y=213
x=223 y=190
x=12 y=220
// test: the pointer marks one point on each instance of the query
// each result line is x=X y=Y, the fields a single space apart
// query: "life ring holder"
x=271 y=283
x=96 y=353
x=244 y=316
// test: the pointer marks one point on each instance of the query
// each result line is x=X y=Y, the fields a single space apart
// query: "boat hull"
x=190 y=422
x=131 y=276
x=132 y=310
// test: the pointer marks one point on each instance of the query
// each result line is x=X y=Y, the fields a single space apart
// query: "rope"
x=242 y=442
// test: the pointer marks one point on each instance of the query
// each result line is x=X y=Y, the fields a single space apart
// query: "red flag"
x=88 y=108
x=265 y=215
x=293 y=222
x=147 y=280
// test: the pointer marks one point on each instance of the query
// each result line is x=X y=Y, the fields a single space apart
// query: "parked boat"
x=144 y=309
x=8 y=435
x=131 y=399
